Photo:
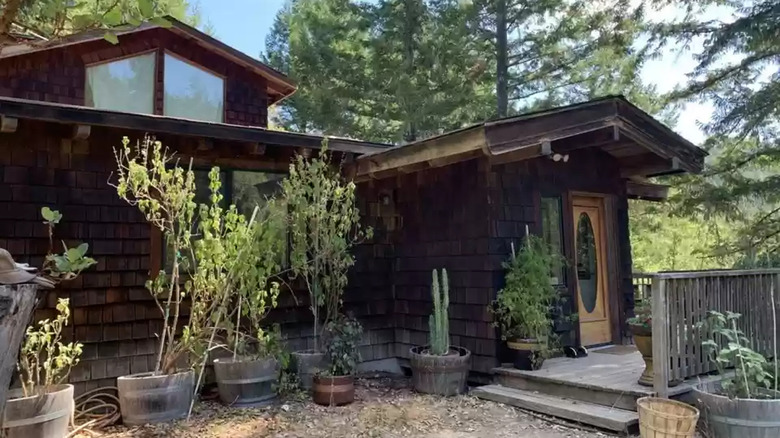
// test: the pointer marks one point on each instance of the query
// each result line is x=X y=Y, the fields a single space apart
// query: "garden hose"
x=99 y=408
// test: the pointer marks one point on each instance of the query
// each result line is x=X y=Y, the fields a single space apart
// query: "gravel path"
x=385 y=408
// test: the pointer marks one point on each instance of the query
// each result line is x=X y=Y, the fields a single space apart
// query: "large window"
x=191 y=92
x=123 y=85
x=552 y=231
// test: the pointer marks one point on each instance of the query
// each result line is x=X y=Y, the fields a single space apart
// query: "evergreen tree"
x=738 y=72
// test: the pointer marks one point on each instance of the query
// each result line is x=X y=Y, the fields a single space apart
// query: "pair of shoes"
x=575 y=352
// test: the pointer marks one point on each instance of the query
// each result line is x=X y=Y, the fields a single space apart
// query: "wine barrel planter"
x=149 y=398
x=246 y=382
x=737 y=418
x=333 y=391
x=307 y=363
x=526 y=354
x=443 y=375
x=38 y=416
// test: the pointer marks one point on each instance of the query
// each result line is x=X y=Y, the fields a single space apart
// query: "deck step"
x=613 y=419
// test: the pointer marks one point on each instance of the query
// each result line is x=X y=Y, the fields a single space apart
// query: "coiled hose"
x=98 y=408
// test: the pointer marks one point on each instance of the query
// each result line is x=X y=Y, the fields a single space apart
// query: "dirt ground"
x=385 y=407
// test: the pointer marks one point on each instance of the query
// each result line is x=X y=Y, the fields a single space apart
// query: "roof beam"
x=646 y=191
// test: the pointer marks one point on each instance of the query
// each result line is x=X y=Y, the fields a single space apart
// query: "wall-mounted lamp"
x=559 y=157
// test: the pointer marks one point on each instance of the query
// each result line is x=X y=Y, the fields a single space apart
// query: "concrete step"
x=603 y=417
x=586 y=391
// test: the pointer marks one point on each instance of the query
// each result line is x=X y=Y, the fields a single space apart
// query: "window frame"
x=156 y=69
x=194 y=64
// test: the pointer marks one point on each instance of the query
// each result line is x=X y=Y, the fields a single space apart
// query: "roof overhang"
x=12 y=110
x=279 y=86
x=642 y=146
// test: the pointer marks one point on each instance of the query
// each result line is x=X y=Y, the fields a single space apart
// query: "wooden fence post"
x=660 y=337
x=16 y=308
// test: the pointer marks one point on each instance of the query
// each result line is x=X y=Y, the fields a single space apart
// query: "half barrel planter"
x=333 y=390
x=245 y=382
x=155 y=398
x=737 y=418
x=442 y=375
x=39 y=416
x=307 y=364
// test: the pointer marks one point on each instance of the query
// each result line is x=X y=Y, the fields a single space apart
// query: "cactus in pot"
x=439 y=320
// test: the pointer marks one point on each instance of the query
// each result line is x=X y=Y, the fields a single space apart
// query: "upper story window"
x=192 y=92
x=122 y=85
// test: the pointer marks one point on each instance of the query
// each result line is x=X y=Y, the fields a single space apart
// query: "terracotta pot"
x=643 y=339
x=333 y=390
x=526 y=353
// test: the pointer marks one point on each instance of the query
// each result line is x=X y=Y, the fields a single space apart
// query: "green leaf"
x=111 y=37
x=161 y=21
x=146 y=7
x=82 y=249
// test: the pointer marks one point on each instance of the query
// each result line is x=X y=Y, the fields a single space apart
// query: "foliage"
x=523 y=307
x=150 y=179
x=342 y=351
x=643 y=316
x=44 y=360
x=72 y=261
x=51 y=19
x=439 y=321
x=323 y=222
x=235 y=259
x=737 y=72
x=751 y=378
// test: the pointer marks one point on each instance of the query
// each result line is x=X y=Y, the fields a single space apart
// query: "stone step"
x=603 y=417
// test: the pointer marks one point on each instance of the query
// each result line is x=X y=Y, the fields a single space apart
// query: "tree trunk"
x=410 y=29
x=7 y=17
x=502 y=56
x=16 y=308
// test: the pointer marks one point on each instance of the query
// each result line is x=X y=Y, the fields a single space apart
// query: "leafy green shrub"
x=523 y=308
x=69 y=264
x=751 y=377
x=44 y=360
x=324 y=224
x=643 y=316
x=342 y=352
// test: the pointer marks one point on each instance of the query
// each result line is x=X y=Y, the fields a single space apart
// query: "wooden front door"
x=591 y=263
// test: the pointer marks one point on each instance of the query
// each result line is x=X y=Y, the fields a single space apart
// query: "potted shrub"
x=523 y=308
x=439 y=368
x=323 y=223
x=235 y=261
x=164 y=192
x=43 y=406
x=335 y=385
x=641 y=327
x=746 y=402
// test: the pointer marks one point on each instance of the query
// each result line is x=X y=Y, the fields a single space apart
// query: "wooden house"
x=456 y=201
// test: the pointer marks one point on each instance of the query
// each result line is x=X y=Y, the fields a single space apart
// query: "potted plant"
x=241 y=257
x=746 y=402
x=335 y=385
x=641 y=327
x=323 y=223
x=439 y=368
x=523 y=308
x=164 y=192
x=43 y=406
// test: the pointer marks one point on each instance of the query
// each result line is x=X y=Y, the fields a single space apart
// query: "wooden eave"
x=646 y=190
x=279 y=86
x=641 y=145
x=14 y=110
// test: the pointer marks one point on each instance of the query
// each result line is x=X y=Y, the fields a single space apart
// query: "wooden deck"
x=607 y=379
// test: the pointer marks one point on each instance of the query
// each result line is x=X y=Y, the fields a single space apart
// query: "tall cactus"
x=439 y=321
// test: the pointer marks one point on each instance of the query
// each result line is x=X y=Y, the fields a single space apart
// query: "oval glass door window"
x=587 y=265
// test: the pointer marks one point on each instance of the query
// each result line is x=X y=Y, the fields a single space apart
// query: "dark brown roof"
x=281 y=85
x=642 y=145
x=154 y=124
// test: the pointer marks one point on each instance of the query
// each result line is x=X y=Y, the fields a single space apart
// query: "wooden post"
x=16 y=308
x=660 y=337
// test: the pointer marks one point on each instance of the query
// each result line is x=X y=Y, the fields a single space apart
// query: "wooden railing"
x=681 y=300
